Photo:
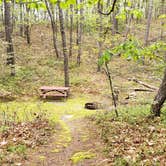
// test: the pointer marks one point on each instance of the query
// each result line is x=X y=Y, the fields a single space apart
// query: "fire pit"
x=91 y=106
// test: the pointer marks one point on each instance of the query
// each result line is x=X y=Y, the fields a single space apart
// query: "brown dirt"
x=84 y=138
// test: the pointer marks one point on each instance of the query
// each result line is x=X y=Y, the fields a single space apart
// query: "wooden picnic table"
x=56 y=92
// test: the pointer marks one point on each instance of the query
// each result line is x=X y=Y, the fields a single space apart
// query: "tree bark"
x=100 y=40
x=67 y=18
x=21 y=20
x=77 y=24
x=163 y=11
x=71 y=31
x=8 y=33
x=159 y=98
x=148 y=21
x=115 y=23
x=12 y=14
x=64 y=45
x=79 y=42
x=112 y=89
x=2 y=14
x=27 y=26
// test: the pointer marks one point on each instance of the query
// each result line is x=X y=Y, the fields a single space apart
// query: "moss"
x=84 y=138
x=80 y=156
x=42 y=158
x=19 y=111
x=55 y=150
x=27 y=111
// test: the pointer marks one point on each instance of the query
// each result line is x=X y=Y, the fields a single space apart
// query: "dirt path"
x=77 y=136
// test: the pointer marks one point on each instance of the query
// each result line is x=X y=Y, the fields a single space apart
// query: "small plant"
x=3 y=128
x=103 y=61
x=19 y=149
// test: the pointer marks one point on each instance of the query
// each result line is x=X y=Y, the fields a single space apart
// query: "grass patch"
x=27 y=111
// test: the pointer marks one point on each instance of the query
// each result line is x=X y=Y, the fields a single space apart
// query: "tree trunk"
x=159 y=98
x=115 y=23
x=27 y=26
x=21 y=20
x=77 y=23
x=79 y=42
x=63 y=36
x=163 y=7
x=71 y=31
x=146 y=9
x=112 y=89
x=100 y=39
x=13 y=15
x=2 y=14
x=8 y=32
x=148 y=21
x=54 y=29
x=66 y=18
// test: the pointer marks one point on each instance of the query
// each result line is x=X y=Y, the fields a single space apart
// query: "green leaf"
x=105 y=57
x=121 y=16
x=64 y=5
x=71 y=2
x=137 y=14
x=53 y=1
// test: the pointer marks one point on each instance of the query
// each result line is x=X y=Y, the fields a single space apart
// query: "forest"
x=82 y=83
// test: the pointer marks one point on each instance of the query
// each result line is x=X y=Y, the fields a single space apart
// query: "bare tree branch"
x=112 y=9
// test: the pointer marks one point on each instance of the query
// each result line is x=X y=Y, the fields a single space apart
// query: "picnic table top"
x=54 y=88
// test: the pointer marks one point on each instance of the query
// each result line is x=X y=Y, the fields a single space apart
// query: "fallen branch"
x=144 y=84
x=144 y=90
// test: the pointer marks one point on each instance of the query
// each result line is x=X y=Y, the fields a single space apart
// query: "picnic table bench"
x=54 y=92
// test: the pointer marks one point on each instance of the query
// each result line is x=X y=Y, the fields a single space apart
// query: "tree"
x=21 y=20
x=100 y=10
x=162 y=16
x=79 y=34
x=63 y=36
x=100 y=40
x=8 y=32
x=148 y=21
x=27 y=24
x=115 y=23
x=71 y=30
x=103 y=61
x=159 y=98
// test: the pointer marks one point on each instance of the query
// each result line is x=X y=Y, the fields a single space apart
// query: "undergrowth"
x=26 y=125
x=134 y=138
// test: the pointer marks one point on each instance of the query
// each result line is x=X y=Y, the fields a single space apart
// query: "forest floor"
x=85 y=148
x=35 y=132
x=70 y=140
